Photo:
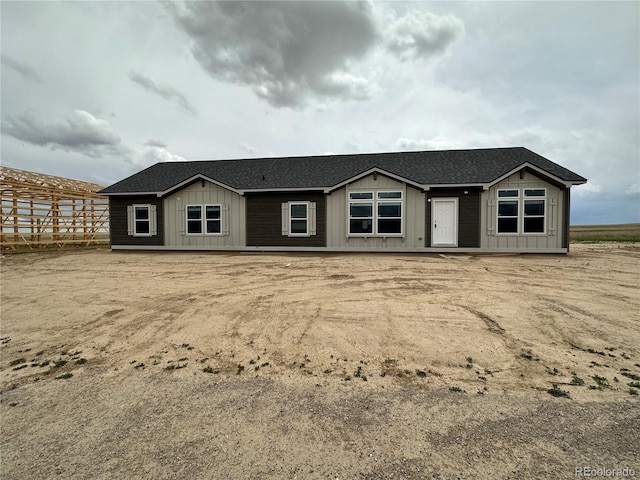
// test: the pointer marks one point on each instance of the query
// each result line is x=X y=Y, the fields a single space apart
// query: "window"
x=360 y=213
x=375 y=216
x=299 y=219
x=210 y=224
x=194 y=219
x=142 y=220
x=389 y=213
x=532 y=212
x=213 y=219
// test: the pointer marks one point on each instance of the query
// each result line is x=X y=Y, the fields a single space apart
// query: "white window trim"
x=544 y=216
x=307 y=219
x=187 y=219
x=374 y=201
x=203 y=220
x=135 y=222
x=521 y=199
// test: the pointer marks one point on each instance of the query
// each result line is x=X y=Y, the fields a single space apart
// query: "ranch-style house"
x=471 y=201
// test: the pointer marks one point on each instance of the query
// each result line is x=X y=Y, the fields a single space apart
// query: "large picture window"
x=375 y=213
x=524 y=214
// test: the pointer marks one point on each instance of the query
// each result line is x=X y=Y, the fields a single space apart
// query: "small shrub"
x=59 y=363
x=421 y=373
x=601 y=382
x=81 y=361
x=576 y=380
x=240 y=369
x=208 y=369
x=20 y=367
x=455 y=389
x=633 y=391
x=17 y=361
x=64 y=376
x=558 y=392
x=634 y=384
x=469 y=360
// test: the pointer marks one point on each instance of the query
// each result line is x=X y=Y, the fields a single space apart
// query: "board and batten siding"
x=468 y=214
x=203 y=193
x=554 y=216
x=413 y=215
x=264 y=219
x=118 y=220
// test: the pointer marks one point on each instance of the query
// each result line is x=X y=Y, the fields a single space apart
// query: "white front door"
x=444 y=222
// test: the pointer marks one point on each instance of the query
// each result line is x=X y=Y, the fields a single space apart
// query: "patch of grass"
x=81 y=361
x=434 y=373
x=455 y=389
x=59 y=363
x=64 y=376
x=595 y=352
x=39 y=353
x=630 y=375
x=576 y=380
x=421 y=373
x=17 y=361
x=601 y=382
x=240 y=369
x=45 y=363
x=20 y=367
x=208 y=369
x=469 y=360
x=629 y=232
x=634 y=384
x=558 y=392
x=633 y=391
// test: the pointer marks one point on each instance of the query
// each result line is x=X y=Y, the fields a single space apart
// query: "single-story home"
x=471 y=201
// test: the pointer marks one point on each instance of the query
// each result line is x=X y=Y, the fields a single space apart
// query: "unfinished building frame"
x=40 y=211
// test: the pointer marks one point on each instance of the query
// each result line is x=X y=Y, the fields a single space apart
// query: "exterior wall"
x=264 y=219
x=414 y=215
x=555 y=213
x=468 y=214
x=202 y=194
x=566 y=224
x=118 y=220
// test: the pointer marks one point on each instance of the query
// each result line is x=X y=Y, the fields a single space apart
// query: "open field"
x=628 y=232
x=181 y=365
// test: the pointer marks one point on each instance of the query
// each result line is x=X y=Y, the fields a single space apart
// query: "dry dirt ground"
x=183 y=365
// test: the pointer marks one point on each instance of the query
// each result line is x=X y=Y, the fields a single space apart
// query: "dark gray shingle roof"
x=454 y=167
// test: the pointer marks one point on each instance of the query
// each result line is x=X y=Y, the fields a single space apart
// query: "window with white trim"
x=375 y=213
x=508 y=211
x=204 y=220
x=213 y=219
x=535 y=204
x=360 y=213
x=142 y=220
x=299 y=219
x=530 y=219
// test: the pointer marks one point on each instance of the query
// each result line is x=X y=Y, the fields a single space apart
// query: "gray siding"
x=468 y=214
x=204 y=193
x=554 y=221
x=414 y=215
x=264 y=219
x=118 y=220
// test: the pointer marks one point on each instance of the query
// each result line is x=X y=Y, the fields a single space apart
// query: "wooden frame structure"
x=40 y=211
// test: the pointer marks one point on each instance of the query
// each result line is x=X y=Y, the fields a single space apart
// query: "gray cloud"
x=286 y=51
x=23 y=69
x=165 y=91
x=155 y=143
x=80 y=132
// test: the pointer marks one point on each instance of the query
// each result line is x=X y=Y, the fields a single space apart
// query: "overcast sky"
x=99 y=90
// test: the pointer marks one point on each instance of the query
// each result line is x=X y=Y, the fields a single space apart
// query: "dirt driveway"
x=181 y=365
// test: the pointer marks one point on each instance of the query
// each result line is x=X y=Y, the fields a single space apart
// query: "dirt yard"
x=230 y=366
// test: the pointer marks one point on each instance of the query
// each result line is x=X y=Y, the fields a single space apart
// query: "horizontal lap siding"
x=118 y=221
x=264 y=220
x=468 y=215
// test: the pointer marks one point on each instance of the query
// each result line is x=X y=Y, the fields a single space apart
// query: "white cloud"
x=150 y=154
x=633 y=189
x=420 y=34
x=586 y=190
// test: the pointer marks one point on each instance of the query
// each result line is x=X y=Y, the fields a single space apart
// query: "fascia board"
x=369 y=172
